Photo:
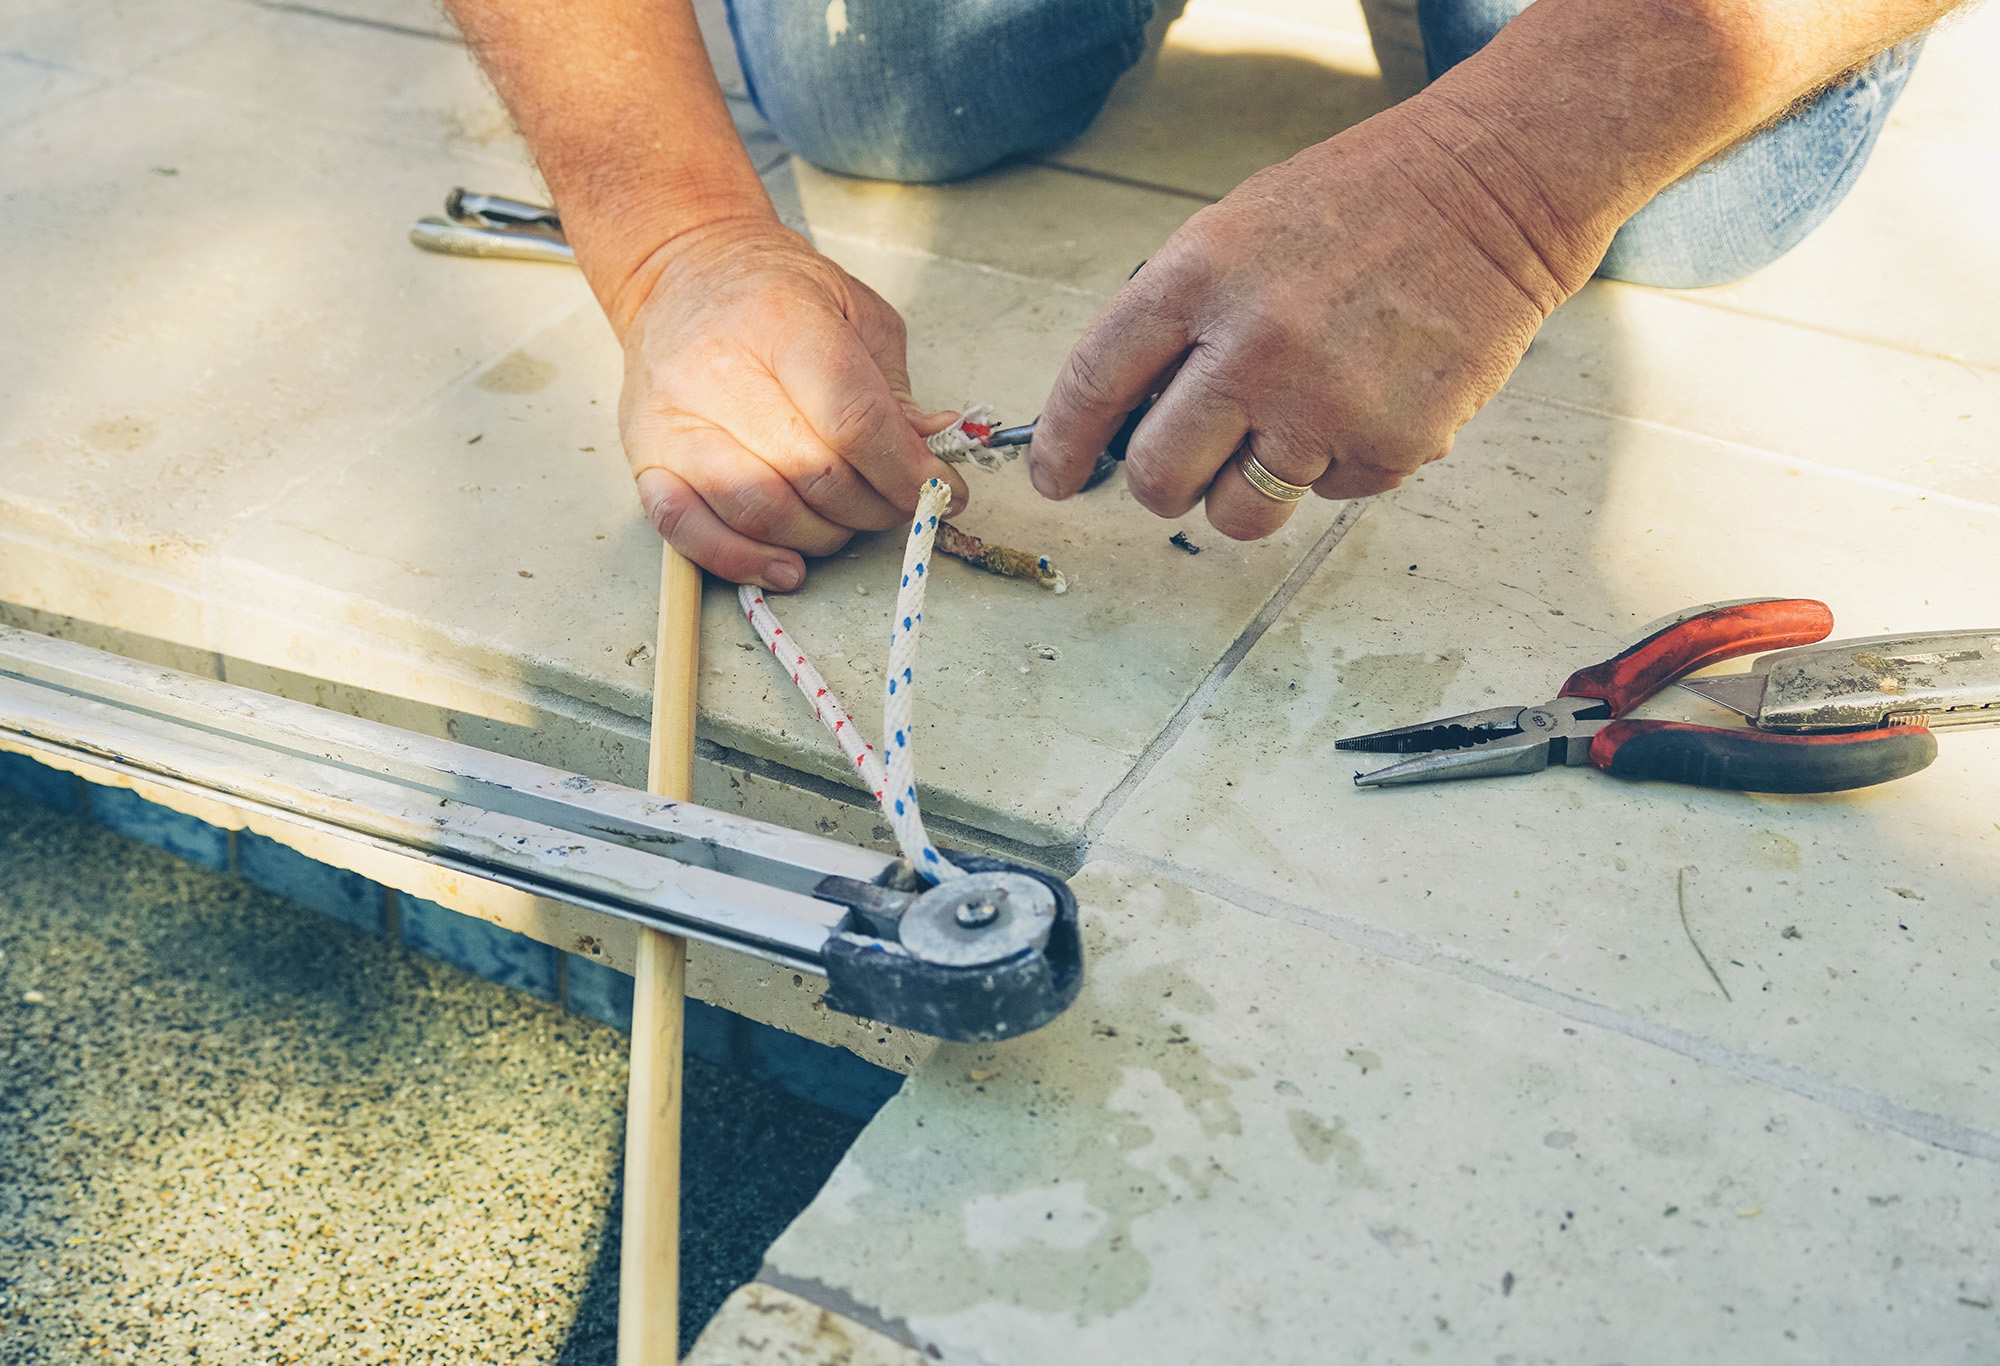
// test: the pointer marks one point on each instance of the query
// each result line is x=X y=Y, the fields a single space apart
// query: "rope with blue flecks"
x=894 y=785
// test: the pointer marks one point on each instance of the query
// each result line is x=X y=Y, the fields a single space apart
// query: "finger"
x=830 y=486
x=839 y=387
x=1242 y=512
x=1179 y=446
x=1108 y=374
x=751 y=497
x=1351 y=478
x=685 y=522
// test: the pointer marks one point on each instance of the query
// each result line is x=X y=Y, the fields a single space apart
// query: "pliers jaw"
x=1486 y=744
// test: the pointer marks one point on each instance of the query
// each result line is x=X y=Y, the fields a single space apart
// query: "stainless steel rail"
x=724 y=879
x=982 y=957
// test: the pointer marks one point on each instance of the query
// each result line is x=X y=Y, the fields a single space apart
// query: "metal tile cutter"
x=983 y=957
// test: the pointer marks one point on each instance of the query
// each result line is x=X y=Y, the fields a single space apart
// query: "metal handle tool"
x=493 y=226
x=1582 y=724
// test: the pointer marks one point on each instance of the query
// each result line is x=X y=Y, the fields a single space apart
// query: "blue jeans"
x=1745 y=208
x=930 y=90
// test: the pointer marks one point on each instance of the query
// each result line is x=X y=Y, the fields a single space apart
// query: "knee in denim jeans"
x=893 y=91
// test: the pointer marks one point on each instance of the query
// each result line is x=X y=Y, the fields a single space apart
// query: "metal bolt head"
x=977 y=915
x=979 y=918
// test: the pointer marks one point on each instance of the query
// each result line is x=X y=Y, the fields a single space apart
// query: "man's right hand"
x=767 y=411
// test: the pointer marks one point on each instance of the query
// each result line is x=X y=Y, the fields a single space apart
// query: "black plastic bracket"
x=971 y=1005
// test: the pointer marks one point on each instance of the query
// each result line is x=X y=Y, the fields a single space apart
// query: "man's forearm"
x=621 y=109
x=1580 y=111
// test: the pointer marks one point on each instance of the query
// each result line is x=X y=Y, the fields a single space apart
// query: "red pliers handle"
x=1583 y=725
x=1742 y=760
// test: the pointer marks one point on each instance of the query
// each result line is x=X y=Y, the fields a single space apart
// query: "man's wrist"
x=686 y=240
x=628 y=237
x=1579 y=112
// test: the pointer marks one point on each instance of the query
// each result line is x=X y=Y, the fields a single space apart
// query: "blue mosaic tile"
x=826 y=1076
x=312 y=884
x=710 y=1031
x=38 y=782
x=480 y=947
x=121 y=809
x=830 y=1077
x=604 y=994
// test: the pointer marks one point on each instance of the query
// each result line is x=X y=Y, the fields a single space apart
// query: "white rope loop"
x=826 y=707
x=899 y=802
x=895 y=787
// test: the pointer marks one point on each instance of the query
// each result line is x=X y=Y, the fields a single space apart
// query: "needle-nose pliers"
x=1581 y=724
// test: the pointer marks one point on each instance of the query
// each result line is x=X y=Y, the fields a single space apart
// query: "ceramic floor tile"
x=524 y=555
x=1227 y=94
x=110 y=38
x=512 y=543
x=1034 y=221
x=1907 y=259
x=206 y=309
x=419 y=16
x=1246 y=1142
x=1949 y=96
x=1800 y=392
x=29 y=87
x=1842 y=927
x=361 y=78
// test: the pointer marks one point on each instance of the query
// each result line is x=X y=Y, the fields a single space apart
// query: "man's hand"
x=1339 y=317
x=767 y=410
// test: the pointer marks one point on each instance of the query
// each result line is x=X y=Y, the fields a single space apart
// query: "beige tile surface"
x=1229 y=91
x=417 y=16
x=1845 y=928
x=1250 y=1142
x=563 y=600
x=1818 y=398
x=198 y=324
x=357 y=78
x=110 y=38
x=1038 y=222
x=1908 y=258
x=28 y=87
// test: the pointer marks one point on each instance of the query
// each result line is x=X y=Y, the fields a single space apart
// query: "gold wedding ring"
x=1269 y=484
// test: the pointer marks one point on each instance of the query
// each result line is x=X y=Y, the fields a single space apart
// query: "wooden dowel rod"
x=650 y=1255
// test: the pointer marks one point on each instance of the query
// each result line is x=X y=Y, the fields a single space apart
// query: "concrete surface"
x=1359 y=1076
x=233 y=1129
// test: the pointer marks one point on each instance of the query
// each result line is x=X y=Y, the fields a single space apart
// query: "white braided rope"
x=895 y=787
x=826 y=707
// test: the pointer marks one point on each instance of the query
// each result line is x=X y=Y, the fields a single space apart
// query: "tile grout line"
x=1859 y=338
x=978 y=267
x=1917 y=491
x=1112 y=178
x=356 y=21
x=1170 y=735
x=1933 y=1130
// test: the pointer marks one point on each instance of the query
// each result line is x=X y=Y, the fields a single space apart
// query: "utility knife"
x=1949 y=678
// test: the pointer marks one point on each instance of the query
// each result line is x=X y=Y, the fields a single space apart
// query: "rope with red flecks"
x=894 y=784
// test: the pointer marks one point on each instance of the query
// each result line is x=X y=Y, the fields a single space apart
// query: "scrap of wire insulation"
x=1681 y=896
x=965 y=440
x=1000 y=559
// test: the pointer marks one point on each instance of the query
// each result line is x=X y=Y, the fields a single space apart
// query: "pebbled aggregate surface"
x=233 y=1130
